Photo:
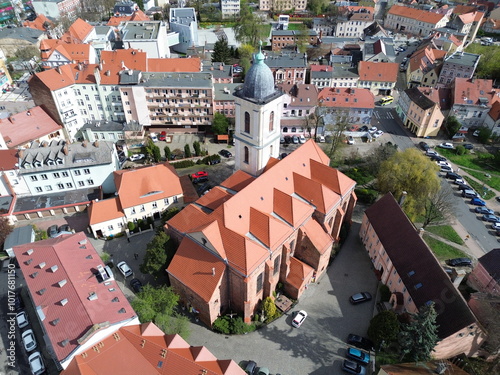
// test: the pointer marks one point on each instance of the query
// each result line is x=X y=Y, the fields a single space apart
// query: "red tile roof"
x=300 y=273
x=39 y=23
x=495 y=111
x=112 y=62
x=469 y=91
x=145 y=349
x=27 y=126
x=378 y=71
x=77 y=32
x=416 y=14
x=190 y=64
x=104 y=210
x=59 y=273
x=321 y=68
x=346 y=98
x=148 y=184
x=426 y=58
x=66 y=75
x=138 y=15
x=8 y=160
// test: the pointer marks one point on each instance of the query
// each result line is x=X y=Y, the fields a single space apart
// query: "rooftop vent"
x=54 y=268
x=64 y=301
x=62 y=283
x=92 y=296
x=42 y=265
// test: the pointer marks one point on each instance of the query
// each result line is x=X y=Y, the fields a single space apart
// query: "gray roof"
x=53 y=156
x=214 y=69
x=186 y=80
x=19 y=236
x=183 y=16
x=333 y=39
x=140 y=30
x=338 y=72
x=463 y=58
x=449 y=31
x=102 y=30
x=24 y=33
x=419 y=99
x=103 y=125
x=286 y=60
x=292 y=32
x=47 y=201
x=227 y=94
x=129 y=77
x=259 y=80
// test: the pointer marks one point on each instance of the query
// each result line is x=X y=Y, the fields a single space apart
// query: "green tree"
x=245 y=53
x=452 y=125
x=220 y=124
x=317 y=6
x=155 y=259
x=249 y=27
x=379 y=155
x=168 y=153
x=5 y=229
x=187 y=151
x=268 y=309
x=27 y=53
x=384 y=328
x=411 y=172
x=302 y=37
x=222 y=52
x=155 y=153
x=484 y=135
x=197 y=148
x=419 y=337
x=173 y=324
x=151 y=302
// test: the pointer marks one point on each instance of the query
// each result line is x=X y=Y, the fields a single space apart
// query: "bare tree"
x=336 y=122
x=438 y=207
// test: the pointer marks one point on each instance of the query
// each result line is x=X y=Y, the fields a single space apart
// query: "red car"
x=199 y=174
x=162 y=136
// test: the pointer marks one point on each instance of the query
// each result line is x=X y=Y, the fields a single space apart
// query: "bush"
x=197 y=148
x=183 y=164
x=385 y=293
x=168 y=153
x=460 y=150
x=226 y=325
x=209 y=159
x=187 y=151
x=130 y=226
x=222 y=325
x=367 y=196
x=150 y=221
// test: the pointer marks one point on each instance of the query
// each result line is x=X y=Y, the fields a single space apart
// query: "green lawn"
x=447 y=232
x=492 y=181
x=479 y=188
x=478 y=160
x=441 y=250
x=294 y=26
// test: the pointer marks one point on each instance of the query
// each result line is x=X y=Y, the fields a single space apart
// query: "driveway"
x=318 y=346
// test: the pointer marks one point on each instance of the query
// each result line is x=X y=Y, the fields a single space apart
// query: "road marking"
x=377 y=115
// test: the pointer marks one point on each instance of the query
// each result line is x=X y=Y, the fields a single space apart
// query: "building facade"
x=183 y=21
x=230 y=8
x=458 y=65
x=380 y=78
x=353 y=21
x=485 y=277
x=413 y=21
x=289 y=68
x=279 y=5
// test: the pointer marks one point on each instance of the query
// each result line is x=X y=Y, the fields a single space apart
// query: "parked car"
x=136 y=285
x=282 y=140
x=446 y=145
x=459 y=262
x=459 y=181
x=476 y=133
x=360 y=342
x=477 y=202
x=469 y=193
x=364 y=128
x=350 y=140
x=353 y=367
x=302 y=139
x=162 y=136
x=283 y=155
x=136 y=157
x=491 y=218
x=295 y=140
x=29 y=341
x=463 y=186
x=431 y=153
x=358 y=355
x=125 y=270
x=424 y=146
x=438 y=158
x=200 y=179
x=199 y=174
x=378 y=133
x=225 y=153
x=263 y=371
x=453 y=176
x=18 y=302
x=372 y=130
x=444 y=164
x=22 y=319
x=153 y=137
x=468 y=146
x=250 y=367
x=495 y=226
x=288 y=139
x=52 y=231
x=299 y=319
x=360 y=297
x=484 y=210
x=446 y=168
x=36 y=363
x=63 y=228
x=321 y=139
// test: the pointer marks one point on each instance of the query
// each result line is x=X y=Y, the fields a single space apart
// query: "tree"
x=155 y=259
x=245 y=53
x=379 y=155
x=452 y=125
x=5 y=229
x=221 y=53
x=419 y=337
x=153 y=151
x=152 y=301
x=187 y=151
x=168 y=153
x=438 y=207
x=197 y=148
x=411 y=172
x=268 y=309
x=484 y=135
x=336 y=122
x=27 y=53
x=384 y=328
x=173 y=324
x=302 y=37
x=249 y=27
x=220 y=124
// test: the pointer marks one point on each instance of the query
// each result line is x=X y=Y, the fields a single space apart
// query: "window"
x=110 y=227
x=276 y=265
x=247 y=122
x=69 y=185
x=56 y=175
x=245 y=159
x=271 y=121
x=175 y=199
x=155 y=205
x=81 y=183
x=48 y=188
x=165 y=201
x=34 y=178
x=260 y=279
x=90 y=181
x=142 y=208
x=38 y=189
x=60 y=186
x=64 y=174
x=86 y=171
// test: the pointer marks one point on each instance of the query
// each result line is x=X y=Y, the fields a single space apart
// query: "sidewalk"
x=470 y=246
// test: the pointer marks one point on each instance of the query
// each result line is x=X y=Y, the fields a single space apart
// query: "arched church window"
x=246 y=155
x=247 y=122
x=271 y=121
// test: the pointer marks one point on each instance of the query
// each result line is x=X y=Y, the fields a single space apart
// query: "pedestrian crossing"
x=384 y=115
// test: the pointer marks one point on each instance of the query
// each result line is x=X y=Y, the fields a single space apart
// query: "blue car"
x=358 y=356
x=477 y=202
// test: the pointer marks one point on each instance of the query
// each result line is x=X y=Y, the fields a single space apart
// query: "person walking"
x=136 y=256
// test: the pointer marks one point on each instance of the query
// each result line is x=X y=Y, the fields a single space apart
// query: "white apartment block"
x=413 y=21
x=148 y=36
x=281 y=5
x=230 y=8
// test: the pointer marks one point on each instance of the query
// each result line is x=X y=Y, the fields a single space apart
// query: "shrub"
x=460 y=150
x=130 y=226
x=221 y=325
x=226 y=325
x=385 y=293
x=168 y=153
x=197 y=148
x=367 y=196
x=187 y=151
x=183 y=164
x=105 y=257
x=150 y=220
x=208 y=160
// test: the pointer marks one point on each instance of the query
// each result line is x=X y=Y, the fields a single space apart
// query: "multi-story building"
x=282 y=5
x=76 y=296
x=333 y=76
x=492 y=120
x=413 y=21
x=347 y=54
x=485 y=277
x=353 y=20
x=299 y=102
x=103 y=130
x=416 y=278
x=55 y=52
x=11 y=182
x=62 y=167
x=137 y=15
x=419 y=114
x=177 y=101
x=424 y=66
x=287 y=68
x=458 y=65
x=221 y=73
x=224 y=98
x=56 y=9
x=472 y=100
x=159 y=190
x=282 y=39
x=381 y=50
x=148 y=36
x=183 y=21
x=379 y=78
x=79 y=32
x=471 y=19
x=358 y=104
x=230 y=8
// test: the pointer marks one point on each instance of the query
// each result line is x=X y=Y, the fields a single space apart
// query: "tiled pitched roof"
x=8 y=160
x=187 y=65
x=346 y=97
x=495 y=111
x=145 y=349
x=77 y=32
x=214 y=198
x=317 y=235
x=416 y=14
x=66 y=75
x=426 y=58
x=113 y=62
x=300 y=273
x=59 y=273
x=38 y=23
x=491 y=263
x=147 y=184
x=104 y=210
x=27 y=126
x=418 y=265
x=238 y=181
x=469 y=91
x=138 y=15
x=378 y=71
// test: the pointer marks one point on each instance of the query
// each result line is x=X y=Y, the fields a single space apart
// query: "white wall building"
x=230 y=8
x=183 y=21
x=148 y=36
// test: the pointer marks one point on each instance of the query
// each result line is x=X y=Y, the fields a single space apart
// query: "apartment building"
x=458 y=65
x=55 y=52
x=357 y=103
x=333 y=76
x=230 y=8
x=416 y=278
x=280 y=5
x=413 y=21
x=183 y=22
x=381 y=50
x=147 y=36
x=299 y=102
x=224 y=98
x=283 y=39
x=287 y=68
x=419 y=114
x=352 y=21
x=424 y=67
x=380 y=78
x=56 y=9
x=468 y=18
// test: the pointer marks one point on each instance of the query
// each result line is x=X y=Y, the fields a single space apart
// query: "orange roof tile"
x=39 y=23
x=494 y=112
x=321 y=240
x=104 y=210
x=238 y=181
x=467 y=17
x=462 y=9
x=346 y=97
x=300 y=273
x=147 y=184
x=112 y=62
x=77 y=32
x=138 y=15
x=214 y=198
x=331 y=178
x=294 y=211
x=190 y=64
x=416 y=14
x=426 y=58
x=378 y=71
x=8 y=159
x=268 y=230
x=466 y=91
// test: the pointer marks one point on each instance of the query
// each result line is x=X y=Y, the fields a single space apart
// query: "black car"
x=459 y=262
x=360 y=297
x=360 y=342
x=288 y=139
x=468 y=146
x=463 y=187
x=63 y=228
x=453 y=176
x=250 y=367
x=225 y=153
x=353 y=367
x=438 y=158
x=18 y=302
x=136 y=285
x=52 y=231
x=424 y=146
x=283 y=155
x=364 y=128
x=200 y=179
